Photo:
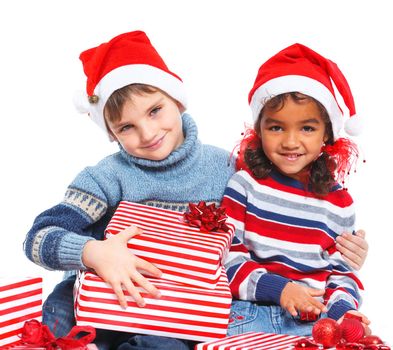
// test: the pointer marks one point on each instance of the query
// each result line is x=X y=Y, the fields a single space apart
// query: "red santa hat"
x=298 y=68
x=128 y=58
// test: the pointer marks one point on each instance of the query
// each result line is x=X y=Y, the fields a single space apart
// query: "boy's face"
x=150 y=126
x=292 y=137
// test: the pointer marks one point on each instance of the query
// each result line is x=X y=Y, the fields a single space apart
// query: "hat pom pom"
x=353 y=126
x=81 y=101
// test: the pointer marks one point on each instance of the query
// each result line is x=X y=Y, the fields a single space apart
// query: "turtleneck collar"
x=189 y=146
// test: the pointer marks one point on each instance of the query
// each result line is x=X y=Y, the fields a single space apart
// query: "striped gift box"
x=252 y=341
x=183 y=311
x=20 y=300
x=181 y=252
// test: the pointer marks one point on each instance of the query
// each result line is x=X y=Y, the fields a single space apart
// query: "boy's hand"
x=365 y=321
x=116 y=265
x=295 y=297
x=353 y=248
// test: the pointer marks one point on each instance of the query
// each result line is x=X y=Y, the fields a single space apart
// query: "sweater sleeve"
x=343 y=287
x=248 y=280
x=59 y=234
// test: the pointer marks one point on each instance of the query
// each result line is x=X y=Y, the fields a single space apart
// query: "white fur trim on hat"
x=131 y=74
x=304 y=85
x=354 y=125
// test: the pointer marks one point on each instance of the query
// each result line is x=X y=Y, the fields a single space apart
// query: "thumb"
x=129 y=232
x=316 y=292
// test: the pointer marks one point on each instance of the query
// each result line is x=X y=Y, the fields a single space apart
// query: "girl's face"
x=292 y=137
x=150 y=126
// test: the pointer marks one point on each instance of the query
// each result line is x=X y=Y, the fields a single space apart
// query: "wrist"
x=88 y=253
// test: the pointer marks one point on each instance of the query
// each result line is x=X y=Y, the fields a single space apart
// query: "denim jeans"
x=58 y=315
x=249 y=316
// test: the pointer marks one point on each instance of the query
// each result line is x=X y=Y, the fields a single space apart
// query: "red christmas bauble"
x=352 y=330
x=371 y=340
x=305 y=344
x=327 y=332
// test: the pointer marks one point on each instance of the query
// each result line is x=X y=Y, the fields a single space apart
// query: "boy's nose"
x=146 y=133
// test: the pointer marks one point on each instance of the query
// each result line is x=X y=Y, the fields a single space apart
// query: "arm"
x=354 y=248
x=343 y=285
x=62 y=239
x=248 y=279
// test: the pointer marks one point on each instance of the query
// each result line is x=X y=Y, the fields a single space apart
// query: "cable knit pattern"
x=191 y=173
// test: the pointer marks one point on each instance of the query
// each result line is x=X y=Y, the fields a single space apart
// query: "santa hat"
x=128 y=58
x=300 y=69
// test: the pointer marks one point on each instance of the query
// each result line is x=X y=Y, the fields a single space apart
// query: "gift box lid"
x=182 y=252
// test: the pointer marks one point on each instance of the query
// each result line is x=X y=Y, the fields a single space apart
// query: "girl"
x=286 y=203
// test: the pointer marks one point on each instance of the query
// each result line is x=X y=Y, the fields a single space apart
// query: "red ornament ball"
x=305 y=344
x=327 y=332
x=352 y=330
x=371 y=340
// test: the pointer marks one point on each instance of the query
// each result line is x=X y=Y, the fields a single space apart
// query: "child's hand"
x=365 y=321
x=295 y=297
x=116 y=265
x=353 y=248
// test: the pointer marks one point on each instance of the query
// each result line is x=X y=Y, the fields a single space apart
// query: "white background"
x=216 y=47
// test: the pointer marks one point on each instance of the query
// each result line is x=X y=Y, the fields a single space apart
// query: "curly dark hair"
x=320 y=178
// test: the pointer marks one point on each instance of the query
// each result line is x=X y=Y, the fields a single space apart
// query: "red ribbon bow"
x=206 y=217
x=37 y=334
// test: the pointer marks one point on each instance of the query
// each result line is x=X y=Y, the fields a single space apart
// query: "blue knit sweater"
x=192 y=173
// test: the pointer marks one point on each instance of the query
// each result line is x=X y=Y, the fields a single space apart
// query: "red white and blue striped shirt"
x=286 y=233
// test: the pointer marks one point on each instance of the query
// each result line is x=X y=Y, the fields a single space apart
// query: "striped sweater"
x=285 y=233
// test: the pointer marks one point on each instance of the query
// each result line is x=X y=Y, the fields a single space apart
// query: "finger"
x=120 y=295
x=146 y=285
x=352 y=260
x=134 y=293
x=316 y=292
x=318 y=307
x=354 y=243
x=291 y=309
x=361 y=233
x=145 y=267
x=129 y=232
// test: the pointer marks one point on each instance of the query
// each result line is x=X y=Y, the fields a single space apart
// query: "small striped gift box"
x=20 y=300
x=252 y=341
x=183 y=311
x=181 y=252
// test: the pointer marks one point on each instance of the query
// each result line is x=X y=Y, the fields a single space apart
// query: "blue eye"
x=155 y=110
x=125 y=128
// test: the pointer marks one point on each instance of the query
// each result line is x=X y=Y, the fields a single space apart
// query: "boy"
x=138 y=102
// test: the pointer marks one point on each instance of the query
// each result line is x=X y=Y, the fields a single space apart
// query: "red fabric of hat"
x=297 y=68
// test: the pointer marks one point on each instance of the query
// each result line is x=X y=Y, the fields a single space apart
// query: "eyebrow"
x=305 y=121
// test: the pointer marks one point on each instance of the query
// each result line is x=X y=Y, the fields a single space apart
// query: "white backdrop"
x=216 y=47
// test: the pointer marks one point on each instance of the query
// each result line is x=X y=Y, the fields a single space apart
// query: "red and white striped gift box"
x=181 y=252
x=252 y=341
x=20 y=300
x=183 y=311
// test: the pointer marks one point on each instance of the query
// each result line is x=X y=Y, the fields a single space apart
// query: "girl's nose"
x=290 y=140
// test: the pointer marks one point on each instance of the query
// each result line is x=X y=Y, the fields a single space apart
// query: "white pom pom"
x=81 y=102
x=354 y=126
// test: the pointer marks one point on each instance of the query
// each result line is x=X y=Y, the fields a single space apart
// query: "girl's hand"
x=116 y=265
x=353 y=248
x=295 y=297
x=365 y=321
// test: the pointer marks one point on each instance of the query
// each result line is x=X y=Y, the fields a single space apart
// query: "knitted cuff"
x=269 y=288
x=339 y=308
x=71 y=248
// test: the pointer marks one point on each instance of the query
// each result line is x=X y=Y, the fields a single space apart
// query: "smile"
x=291 y=156
x=155 y=145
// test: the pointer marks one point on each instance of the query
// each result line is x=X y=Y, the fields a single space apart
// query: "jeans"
x=58 y=315
x=249 y=316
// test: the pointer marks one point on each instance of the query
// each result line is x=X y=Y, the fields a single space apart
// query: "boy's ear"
x=180 y=106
